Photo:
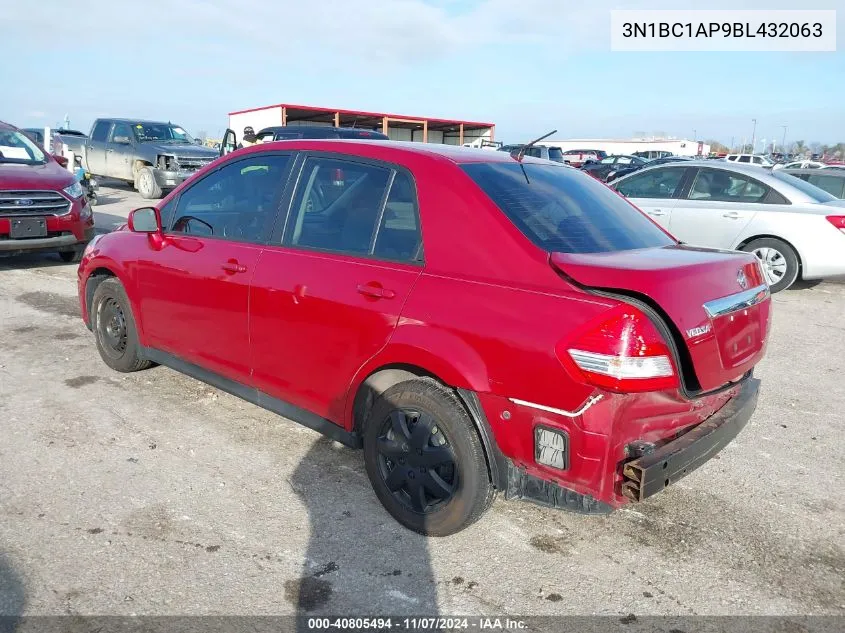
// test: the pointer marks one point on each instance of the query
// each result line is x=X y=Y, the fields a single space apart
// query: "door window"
x=236 y=202
x=398 y=236
x=121 y=129
x=744 y=159
x=722 y=186
x=654 y=183
x=101 y=131
x=338 y=205
x=623 y=160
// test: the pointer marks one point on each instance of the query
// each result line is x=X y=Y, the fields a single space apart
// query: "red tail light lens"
x=622 y=352
x=838 y=221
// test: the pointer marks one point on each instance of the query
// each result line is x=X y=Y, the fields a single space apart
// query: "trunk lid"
x=717 y=302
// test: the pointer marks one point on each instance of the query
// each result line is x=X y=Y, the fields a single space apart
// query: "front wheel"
x=147 y=185
x=425 y=460
x=114 y=327
x=779 y=261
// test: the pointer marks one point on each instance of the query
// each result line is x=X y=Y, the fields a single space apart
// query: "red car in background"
x=476 y=323
x=42 y=206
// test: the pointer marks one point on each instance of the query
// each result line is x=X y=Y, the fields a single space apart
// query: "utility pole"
x=695 y=135
x=731 y=148
x=783 y=142
x=753 y=135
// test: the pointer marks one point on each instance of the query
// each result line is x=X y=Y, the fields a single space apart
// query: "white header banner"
x=775 y=30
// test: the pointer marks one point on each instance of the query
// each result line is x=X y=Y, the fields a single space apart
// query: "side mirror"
x=145 y=220
x=61 y=160
x=122 y=140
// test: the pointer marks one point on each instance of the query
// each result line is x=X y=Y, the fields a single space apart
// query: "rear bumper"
x=651 y=473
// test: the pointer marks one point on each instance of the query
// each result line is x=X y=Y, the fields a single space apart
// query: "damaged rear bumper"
x=651 y=473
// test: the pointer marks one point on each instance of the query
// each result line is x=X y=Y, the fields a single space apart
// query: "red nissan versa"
x=474 y=322
x=42 y=207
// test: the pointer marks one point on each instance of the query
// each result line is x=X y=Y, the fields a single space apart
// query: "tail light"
x=622 y=352
x=838 y=221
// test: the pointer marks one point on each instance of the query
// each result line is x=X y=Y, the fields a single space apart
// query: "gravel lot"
x=152 y=493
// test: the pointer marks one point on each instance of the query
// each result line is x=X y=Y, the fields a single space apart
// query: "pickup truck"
x=150 y=155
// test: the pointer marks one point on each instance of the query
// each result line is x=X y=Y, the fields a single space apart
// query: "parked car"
x=831 y=180
x=580 y=157
x=537 y=151
x=653 y=154
x=42 y=206
x=585 y=362
x=749 y=159
x=793 y=227
x=292 y=132
x=801 y=164
x=59 y=135
x=153 y=156
x=614 y=167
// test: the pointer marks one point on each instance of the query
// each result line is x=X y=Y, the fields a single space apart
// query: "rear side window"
x=718 y=185
x=337 y=205
x=744 y=159
x=398 y=235
x=101 y=131
x=563 y=210
x=654 y=183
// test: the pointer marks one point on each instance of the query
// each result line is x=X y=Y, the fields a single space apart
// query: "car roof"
x=452 y=153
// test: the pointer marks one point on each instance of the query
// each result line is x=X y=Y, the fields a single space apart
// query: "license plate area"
x=23 y=228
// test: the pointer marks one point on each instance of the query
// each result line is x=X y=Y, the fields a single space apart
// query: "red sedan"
x=476 y=323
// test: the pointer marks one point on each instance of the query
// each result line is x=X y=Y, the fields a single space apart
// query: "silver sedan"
x=796 y=229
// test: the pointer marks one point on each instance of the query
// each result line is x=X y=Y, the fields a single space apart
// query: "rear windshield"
x=563 y=210
x=555 y=154
x=813 y=192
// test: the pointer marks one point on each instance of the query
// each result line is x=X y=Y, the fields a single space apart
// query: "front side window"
x=563 y=210
x=718 y=185
x=654 y=183
x=337 y=205
x=121 y=130
x=237 y=202
x=17 y=147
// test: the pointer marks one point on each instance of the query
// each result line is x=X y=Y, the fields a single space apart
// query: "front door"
x=654 y=191
x=720 y=203
x=195 y=288
x=328 y=298
x=121 y=152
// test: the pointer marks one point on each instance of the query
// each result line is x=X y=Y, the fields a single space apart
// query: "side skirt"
x=255 y=396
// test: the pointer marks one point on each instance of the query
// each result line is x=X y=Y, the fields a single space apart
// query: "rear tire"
x=425 y=460
x=146 y=184
x=114 y=328
x=779 y=261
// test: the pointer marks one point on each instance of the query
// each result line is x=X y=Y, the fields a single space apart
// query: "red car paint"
x=69 y=226
x=488 y=312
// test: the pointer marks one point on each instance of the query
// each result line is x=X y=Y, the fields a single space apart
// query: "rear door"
x=195 y=288
x=95 y=153
x=654 y=191
x=718 y=205
x=327 y=297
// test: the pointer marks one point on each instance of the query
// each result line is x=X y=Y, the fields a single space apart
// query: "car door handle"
x=232 y=267
x=655 y=212
x=377 y=292
x=733 y=215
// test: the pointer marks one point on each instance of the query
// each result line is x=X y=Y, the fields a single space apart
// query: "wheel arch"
x=99 y=272
x=747 y=240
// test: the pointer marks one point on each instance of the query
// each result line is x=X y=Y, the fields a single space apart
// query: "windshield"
x=814 y=193
x=17 y=147
x=162 y=133
x=564 y=210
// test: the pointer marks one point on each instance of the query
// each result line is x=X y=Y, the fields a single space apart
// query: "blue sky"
x=527 y=65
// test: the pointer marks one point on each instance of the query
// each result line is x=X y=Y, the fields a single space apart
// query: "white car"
x=749 y=159
x=802 y=164
x=794 y=228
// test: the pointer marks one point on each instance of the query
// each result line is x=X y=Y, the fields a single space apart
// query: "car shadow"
x=359 y=560
x=47 y=259
x=12 y=596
